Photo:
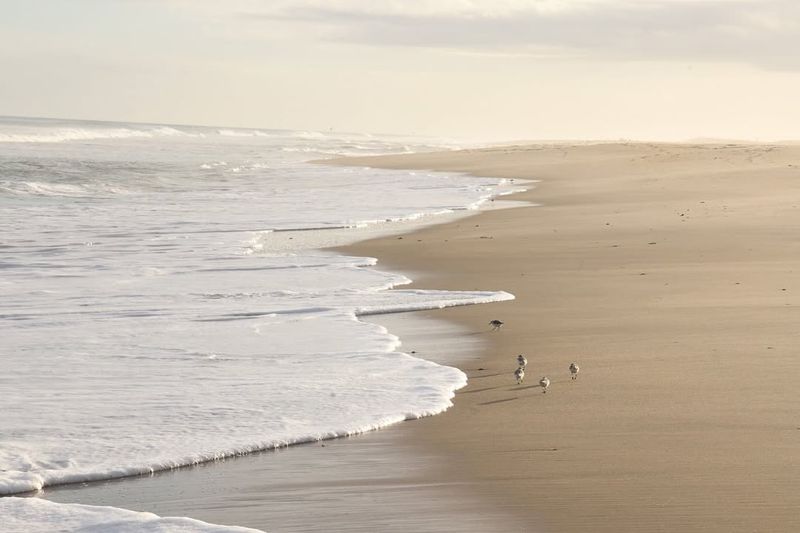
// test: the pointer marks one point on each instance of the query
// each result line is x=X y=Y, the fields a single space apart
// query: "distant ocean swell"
x=56 y=135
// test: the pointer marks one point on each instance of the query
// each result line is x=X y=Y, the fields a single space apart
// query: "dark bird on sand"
x=496 y=324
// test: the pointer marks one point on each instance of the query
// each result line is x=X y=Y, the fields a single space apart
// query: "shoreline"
x=673 y=424
x=447 y=505
x=666 y=271
x=375 y=481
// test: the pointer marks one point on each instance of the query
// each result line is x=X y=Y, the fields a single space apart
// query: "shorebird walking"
x=519 y=373
x=544 y=383
x=522 y=361
x=496 y=324
x=574 y=369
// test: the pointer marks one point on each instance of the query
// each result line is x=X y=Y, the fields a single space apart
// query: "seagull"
x=519 y=373
x=496 y=324
x=522 y=361
x=574 y=369
x=544 y=383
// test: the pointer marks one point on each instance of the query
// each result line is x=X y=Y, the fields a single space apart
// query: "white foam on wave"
x=214 y=164
x=242 y=133
x=78 y=190
x=23 y=515
x=434 y=300
x=57 y=135
x=159 y=423
x=195 y=318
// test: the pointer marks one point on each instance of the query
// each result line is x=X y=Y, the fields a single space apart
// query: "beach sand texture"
x=671 y=275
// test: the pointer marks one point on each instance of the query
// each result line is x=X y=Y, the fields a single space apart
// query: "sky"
x=472 y=69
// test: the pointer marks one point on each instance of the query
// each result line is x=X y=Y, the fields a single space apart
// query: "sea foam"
x=23 y=515
x=165 y=303
x=56 y=135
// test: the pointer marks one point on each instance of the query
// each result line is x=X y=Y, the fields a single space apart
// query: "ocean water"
x=164 y=301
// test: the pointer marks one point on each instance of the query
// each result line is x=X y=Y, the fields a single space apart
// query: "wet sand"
x=671 y=275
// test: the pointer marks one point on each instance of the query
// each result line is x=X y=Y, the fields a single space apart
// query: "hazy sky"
x=482 y=69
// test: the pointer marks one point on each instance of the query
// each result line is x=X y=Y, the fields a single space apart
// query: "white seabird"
x=544 y=383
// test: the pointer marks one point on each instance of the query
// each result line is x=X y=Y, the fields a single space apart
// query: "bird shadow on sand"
x=500 y=401
x=487 y=375
x=478 y=390
x=526 y=387
x=528 y=450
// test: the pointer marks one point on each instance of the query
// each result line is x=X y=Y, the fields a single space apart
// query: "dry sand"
x=671 y=275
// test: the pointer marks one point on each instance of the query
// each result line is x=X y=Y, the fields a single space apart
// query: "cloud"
x=765 y=33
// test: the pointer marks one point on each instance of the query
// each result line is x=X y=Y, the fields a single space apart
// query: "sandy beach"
x=252 y=254
x=669 y=273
